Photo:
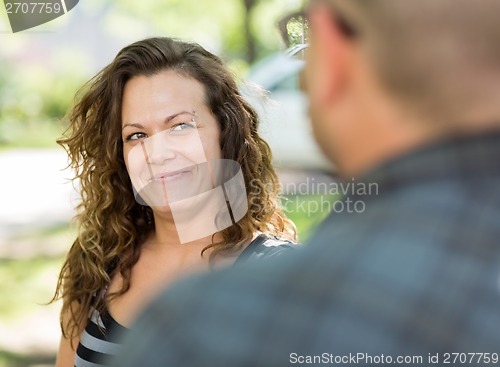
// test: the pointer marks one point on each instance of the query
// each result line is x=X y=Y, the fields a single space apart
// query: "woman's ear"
x=328 y=68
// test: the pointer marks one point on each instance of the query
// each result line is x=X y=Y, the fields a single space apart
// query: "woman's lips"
x=171 y=176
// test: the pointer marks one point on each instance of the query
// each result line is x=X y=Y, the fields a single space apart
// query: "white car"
x=273 y=90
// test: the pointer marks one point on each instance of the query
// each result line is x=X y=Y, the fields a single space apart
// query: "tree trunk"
x=251 y=53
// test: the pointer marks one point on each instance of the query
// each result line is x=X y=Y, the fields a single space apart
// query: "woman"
x=165 y=149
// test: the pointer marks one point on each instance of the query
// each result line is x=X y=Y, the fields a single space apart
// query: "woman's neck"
x=166 y=234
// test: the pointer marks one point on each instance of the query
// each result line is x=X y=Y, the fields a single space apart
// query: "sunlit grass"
x=307 y=212
x=26 y=284
x=28 y=276
x=9 y=359
x=29 y=267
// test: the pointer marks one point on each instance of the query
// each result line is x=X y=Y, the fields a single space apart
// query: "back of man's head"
x=439 y=57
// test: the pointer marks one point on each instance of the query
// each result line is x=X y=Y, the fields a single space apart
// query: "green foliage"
x=32 y=104
x=9 y=359
x=34 y=95
x=306 y=212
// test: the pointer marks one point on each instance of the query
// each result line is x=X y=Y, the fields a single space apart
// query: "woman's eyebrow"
x=171 y=117
x=168 y=119
x=139 y=126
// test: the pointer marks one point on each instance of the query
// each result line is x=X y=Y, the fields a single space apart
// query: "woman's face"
x=169 y=137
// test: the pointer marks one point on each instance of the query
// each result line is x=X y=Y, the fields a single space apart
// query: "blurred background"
x=42 y=68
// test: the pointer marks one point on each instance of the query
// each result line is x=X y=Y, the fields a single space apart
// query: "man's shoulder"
x=410 y=264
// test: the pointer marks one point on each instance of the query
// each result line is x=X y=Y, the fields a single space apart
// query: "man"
x=404 y=94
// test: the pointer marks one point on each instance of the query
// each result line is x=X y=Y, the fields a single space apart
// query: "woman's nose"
x=158 y=148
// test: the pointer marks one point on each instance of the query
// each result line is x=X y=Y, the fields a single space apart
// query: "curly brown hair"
x=112 y=225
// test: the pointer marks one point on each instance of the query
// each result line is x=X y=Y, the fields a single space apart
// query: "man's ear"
x=328 y=57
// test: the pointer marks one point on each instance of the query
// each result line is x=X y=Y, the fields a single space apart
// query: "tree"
x=251 y=53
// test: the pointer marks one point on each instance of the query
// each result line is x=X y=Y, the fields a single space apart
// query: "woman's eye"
x=135 y=136
x=182 y=126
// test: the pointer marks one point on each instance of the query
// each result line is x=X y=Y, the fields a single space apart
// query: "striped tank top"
x=101 y=338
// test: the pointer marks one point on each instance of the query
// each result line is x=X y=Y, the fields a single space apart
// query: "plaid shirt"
x=414 y=275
